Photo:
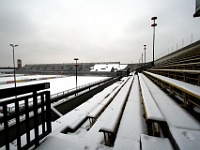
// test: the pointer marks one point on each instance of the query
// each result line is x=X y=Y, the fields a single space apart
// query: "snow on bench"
x=186 y=88
x=109 y=127
x=153 y=114
x=131 y=124
x=60 y=143
x=155 y=143
x=186 y=139
x=94 y=114
x=174 y=115
x=72 y=120
x=184 y=129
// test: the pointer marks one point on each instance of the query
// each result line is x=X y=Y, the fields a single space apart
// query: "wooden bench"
x=131 y=124
x=185 y=139
x=180 y=66
x=189 y=76
x=94 y=114
x=190 y=93
x=153 y=114
x=173 y=113
x=110 y=126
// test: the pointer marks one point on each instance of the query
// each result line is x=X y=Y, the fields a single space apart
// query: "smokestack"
x=19 y=63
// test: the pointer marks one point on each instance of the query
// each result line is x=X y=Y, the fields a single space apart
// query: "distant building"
x=19 y=63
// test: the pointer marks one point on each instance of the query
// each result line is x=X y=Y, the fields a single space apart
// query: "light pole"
x=142 y=58
x=153 y=25
x=76 y=70
x=145 y=53
x=13 y=46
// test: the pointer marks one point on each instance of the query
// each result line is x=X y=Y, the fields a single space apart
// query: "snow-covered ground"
x=58 y=83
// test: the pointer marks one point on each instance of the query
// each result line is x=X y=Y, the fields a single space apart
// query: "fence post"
x=48 y=111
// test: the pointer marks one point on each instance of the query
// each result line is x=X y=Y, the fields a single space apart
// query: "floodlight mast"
x=153 y=25
x=145 y=53
x=76 y=59
x=13 y=46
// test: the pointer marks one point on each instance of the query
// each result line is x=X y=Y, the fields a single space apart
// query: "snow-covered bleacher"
x=94 y=114
x=185 y=58
x=176 y=118
x=155 y=143
x=190 y=93
x=153 y=114
x=115 y=110
x=122 y=112
x=132 y=122
x=183 y=64
x=155 y=109
x=187 y=75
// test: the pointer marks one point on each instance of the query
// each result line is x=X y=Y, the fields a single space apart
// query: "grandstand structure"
x=182 y=65
x=54 y=68
x=70 y=68
x=156 y=107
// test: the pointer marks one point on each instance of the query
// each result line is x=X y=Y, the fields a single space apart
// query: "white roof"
x=107 y=67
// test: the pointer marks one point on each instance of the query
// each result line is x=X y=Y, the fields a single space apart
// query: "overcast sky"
x=57 y=31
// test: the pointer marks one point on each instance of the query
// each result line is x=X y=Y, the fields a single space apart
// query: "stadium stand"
x=82 y=68
x=184 y=66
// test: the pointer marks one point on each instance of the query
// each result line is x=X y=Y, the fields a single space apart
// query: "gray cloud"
x=56 y=31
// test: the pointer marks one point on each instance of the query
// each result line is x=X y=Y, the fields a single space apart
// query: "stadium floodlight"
x=145 y=53
x=13 y=46
x=153 y=25
x=76 y=59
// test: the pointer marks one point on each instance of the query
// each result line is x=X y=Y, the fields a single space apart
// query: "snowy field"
x=58 y=83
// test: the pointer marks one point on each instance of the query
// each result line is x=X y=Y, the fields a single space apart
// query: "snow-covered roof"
x=107 y=67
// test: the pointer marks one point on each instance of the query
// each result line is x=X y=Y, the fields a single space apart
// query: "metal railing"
x=39 y=123
x=78 y=90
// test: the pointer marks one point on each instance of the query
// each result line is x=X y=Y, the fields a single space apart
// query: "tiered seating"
x=76 y=117
x=114 y=111
x=95 y=113
x=55 y=68
x=132 y=123
x=179 y=74
x=181 y=127
x=185 y=58
x=153 y=114
x=182 y=65
x=189 y=93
